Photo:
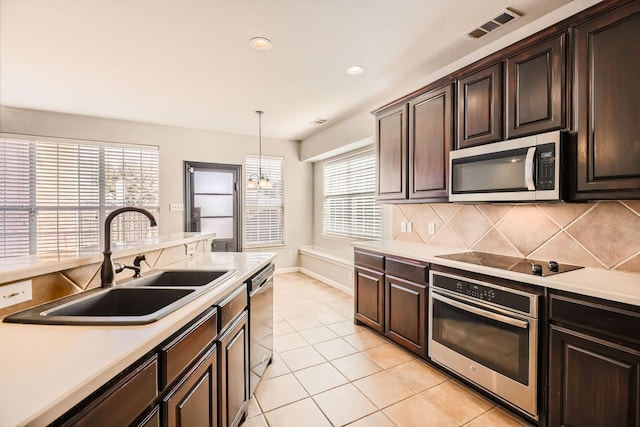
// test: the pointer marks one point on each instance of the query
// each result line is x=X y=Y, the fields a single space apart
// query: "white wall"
x=177 y=145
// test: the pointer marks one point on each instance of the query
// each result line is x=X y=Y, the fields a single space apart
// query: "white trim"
x=328 y=281
x=324 y=255
x=287 y=270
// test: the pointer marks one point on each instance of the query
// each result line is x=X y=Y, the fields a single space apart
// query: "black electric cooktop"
x=521 y=265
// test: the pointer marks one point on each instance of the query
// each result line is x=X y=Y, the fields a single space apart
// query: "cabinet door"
x=480 y=107
x=124 y=401
x=536 y=89
x=234 y=373
x=369 y=298
x=193 y=401
x=391 y=153
x=406 y=313
x=430 y=140
x=607 y=90
x=592 y=382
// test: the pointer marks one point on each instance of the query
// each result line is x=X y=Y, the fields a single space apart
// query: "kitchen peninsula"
x=48 y=369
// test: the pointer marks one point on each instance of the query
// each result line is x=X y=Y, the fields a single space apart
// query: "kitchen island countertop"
x=47 y=369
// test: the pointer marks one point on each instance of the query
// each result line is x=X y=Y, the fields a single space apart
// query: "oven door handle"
x=480 y=312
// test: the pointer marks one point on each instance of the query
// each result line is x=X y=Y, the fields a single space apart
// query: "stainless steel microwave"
x=523 y=169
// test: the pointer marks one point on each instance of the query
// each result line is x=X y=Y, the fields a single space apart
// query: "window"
x=350 y=208
x=54 y=196
x=264 y=221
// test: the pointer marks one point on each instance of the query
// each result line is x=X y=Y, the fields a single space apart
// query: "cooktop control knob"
x=536 y=269
x=553 y=266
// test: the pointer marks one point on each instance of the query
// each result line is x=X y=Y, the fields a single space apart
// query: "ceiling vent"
x=318 y=122
x=506 y=16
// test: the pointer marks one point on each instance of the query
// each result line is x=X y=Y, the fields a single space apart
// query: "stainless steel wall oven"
x=487 y=333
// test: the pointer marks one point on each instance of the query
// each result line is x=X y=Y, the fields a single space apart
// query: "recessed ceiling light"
x=355 y=70
x=261 y=43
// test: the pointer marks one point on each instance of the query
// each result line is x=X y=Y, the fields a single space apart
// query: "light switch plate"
x=15 y=293
x=176 y=207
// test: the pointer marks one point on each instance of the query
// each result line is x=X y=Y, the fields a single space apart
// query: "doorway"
x=213 y=203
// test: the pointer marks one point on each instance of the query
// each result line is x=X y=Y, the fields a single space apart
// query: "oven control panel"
x=485 y=292
x=476 y=291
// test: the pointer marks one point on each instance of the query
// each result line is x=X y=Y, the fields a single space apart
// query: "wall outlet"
x=432 y=228
x=290 y=253
x=176 y=207
x=403 y=226
x=15 y=293
x=191 y=248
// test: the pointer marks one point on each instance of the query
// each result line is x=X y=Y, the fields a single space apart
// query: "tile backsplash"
x=601 y=234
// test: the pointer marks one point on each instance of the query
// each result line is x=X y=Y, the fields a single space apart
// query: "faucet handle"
x=118 y=267
x=138 y=259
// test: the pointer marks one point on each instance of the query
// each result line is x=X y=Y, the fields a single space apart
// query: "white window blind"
x=350 y=207
x=54 y=196
x=264 y=217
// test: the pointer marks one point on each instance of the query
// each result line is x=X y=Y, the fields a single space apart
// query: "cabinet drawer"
x=612 y=321
x=368 y=259
x=232 y=305
x=410 y=270
x=123 y=402
x=178 y=354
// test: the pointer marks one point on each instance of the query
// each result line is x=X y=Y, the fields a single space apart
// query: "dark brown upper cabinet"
x=391 y=150
x=536 y=87
x=430 y=140
x=607 y=94
x=480 y=105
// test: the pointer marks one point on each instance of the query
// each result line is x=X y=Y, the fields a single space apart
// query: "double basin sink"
x=141 y=301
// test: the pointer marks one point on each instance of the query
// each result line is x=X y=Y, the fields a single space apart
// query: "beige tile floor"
x=327 y=371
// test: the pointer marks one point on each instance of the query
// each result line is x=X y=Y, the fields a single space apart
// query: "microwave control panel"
x=546 y=167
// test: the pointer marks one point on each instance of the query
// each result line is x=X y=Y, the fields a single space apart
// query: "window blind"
x=350 y=207
x=264 y=208
x=54 y=196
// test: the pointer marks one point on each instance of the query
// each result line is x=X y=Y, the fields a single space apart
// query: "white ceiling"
x=188 y=62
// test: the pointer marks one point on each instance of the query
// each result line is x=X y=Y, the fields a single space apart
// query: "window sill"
x=265 y=246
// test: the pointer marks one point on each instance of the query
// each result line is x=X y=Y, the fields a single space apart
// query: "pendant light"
x=260 y=180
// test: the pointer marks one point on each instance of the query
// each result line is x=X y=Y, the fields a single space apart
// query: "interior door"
x=212 y=203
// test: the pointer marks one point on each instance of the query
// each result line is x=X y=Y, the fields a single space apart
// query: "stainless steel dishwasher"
x=260 y=324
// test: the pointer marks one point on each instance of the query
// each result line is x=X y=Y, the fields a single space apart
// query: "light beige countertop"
x=47 y=369
x=12 y=269
x=611 y=285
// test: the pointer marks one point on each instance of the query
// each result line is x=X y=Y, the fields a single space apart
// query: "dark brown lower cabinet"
x=152 y=419
x=234 y=373
x=193 y=401
x=369 y=298
x=122 y=402
x=592 y=382
x=405 y=314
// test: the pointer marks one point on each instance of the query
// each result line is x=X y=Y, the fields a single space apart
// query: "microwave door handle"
x=528 y=168
x=480 y=312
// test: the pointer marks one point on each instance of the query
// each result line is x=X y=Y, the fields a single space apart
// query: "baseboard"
x=332 y=283
x=287 y=270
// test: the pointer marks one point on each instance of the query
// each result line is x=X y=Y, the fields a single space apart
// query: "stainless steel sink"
x=140 y=301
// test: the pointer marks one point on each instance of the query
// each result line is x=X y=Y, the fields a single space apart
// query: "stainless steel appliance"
x=522 y=169
x=487 y=333
x=260 y=324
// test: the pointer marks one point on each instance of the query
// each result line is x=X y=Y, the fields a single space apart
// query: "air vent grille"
x=318 y=122
x=506 y=16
